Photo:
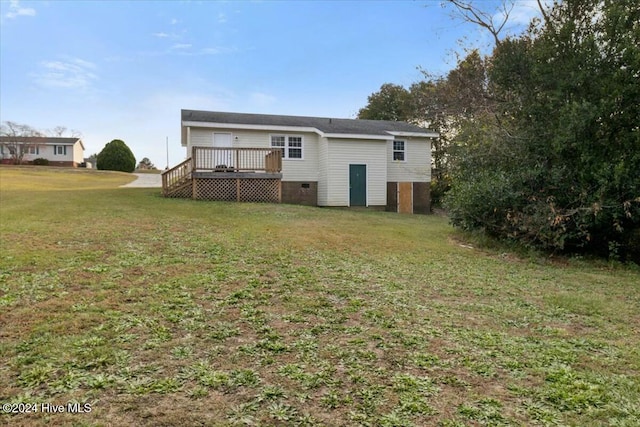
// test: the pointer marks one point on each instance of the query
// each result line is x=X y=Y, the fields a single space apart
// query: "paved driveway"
x=146 y=180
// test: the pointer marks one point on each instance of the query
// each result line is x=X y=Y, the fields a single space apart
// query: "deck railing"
x=237 y=159
x=176 y=175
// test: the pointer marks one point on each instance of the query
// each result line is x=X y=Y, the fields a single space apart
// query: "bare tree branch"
x=543 y=11
x=58 y=131
x=470 y=13
x=15 y=141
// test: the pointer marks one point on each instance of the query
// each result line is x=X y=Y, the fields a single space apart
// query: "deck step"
x=182 y=188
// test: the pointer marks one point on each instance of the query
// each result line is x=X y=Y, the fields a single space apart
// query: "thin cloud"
x=222 y=18
x=181 y=46
x=160 y=35
x=16 y=10
x=74 y=73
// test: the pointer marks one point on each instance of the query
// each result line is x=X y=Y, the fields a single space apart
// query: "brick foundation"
x=300 y=192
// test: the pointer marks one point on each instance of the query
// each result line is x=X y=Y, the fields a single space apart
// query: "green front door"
x=357 y=185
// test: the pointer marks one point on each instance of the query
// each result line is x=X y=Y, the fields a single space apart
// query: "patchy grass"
x=174 y=312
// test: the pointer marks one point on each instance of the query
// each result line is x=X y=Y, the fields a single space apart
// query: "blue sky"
x=124 y=69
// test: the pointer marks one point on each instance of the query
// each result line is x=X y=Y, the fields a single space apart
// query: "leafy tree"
x=554 y=163
x=391 y=102
x=145 y=163
x=116 y=156
x=447 y=104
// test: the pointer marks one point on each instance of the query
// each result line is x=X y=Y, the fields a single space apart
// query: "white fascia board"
x=416 y=134
x=355 y=136
x=68 y=144
x=276 y=128
x=251 y=127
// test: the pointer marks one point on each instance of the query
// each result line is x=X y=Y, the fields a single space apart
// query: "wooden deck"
x=230 y=174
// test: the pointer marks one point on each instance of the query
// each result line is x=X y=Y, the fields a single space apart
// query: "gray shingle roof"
x=39 y=140
x=323 y=124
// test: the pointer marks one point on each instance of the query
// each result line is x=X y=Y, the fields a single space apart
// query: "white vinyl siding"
x=60 y=153
x=342 y=153
x=323 y=161
x=306 y=169
x=200 y=138
x=417 y=164
x=78 y=153
x=292 y=170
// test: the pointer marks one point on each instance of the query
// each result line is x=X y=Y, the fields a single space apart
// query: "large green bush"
x=556 y=164
x=116 y=156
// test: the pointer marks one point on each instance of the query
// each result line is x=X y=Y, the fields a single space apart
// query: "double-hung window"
x=291 y=145
x=399 y=151
x=60 y=149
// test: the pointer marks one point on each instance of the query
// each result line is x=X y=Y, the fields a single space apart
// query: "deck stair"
x=178 y=181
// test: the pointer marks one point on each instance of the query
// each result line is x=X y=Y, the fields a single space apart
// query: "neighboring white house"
x=58 y=151
x=328 y=161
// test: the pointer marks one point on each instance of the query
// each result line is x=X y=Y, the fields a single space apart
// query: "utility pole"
x=167 y=144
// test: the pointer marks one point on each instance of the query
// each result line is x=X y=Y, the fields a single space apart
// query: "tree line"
x=540 y=139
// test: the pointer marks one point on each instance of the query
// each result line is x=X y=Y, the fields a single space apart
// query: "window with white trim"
x=60 y=149
x=291 y=145
x=399 y=151
x=32 y=150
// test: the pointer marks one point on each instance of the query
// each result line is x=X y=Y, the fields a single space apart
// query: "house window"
x=291 y=146
x=33 y=150
x=398 y=151
x=60 y=149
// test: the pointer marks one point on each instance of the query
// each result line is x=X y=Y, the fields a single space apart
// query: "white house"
x=322 y=161
x=58 y=151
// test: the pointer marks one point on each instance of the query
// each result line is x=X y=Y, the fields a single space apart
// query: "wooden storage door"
x=405 y=197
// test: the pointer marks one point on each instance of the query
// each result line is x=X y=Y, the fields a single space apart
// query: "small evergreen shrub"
x=116 y=156
x=41 y=162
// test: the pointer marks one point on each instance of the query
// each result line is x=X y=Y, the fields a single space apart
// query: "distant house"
x=58 y=151
x=303 y=160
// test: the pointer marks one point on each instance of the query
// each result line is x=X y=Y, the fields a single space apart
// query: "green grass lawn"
x=165 y=312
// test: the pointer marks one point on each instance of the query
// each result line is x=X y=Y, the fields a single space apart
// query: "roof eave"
x=415 y=134
x=246 y=126
x=355 y=136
